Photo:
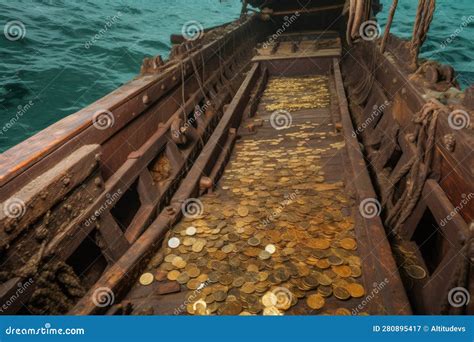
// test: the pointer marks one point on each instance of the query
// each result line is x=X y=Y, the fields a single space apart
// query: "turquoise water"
x=59 y=67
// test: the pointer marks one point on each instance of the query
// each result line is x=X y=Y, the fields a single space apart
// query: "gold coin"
x=348 y=243
x=193 y=272
x=270 y=248
x=220 y=295
x=243 y=211
x=272 y=311
x=315 y=301
x=269 y=299
x=231 y=308
x=319 y=243
x=341 y=293
x=190 y=231
x=146 y=279
x=355 y=290
x=253 y=241
x=183 y=278
x=342 y=312
x=342 y=271
x=248 y=288
x=264 y=255
x=193 y=284
x=173 y=275
x=415 y=271
x=323 y=263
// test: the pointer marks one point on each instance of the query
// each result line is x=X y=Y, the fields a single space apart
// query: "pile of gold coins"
x=275 y=238
x=296 y=93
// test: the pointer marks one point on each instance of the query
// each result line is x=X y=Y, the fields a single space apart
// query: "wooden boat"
x=90 y=200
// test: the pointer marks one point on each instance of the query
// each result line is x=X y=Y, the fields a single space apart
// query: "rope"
x=424 y=16
x=389 y=25
x=359 y=12
x=418 y=167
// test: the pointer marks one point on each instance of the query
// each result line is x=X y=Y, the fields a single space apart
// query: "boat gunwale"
x=21 y=157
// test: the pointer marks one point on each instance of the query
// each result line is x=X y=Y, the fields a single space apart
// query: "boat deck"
x=277 y=235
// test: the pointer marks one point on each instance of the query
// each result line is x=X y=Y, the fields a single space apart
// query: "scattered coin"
x=270 y=248
x=146 y=279
x=173 y=242
x=415 y=271
x=190 y=231
x=315 y=301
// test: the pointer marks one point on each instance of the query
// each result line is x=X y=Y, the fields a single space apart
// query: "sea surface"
x=63 y=55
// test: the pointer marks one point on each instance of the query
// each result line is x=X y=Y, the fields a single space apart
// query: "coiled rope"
x=417 y=168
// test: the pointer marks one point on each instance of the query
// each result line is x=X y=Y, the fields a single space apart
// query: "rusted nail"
x=145 y=99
